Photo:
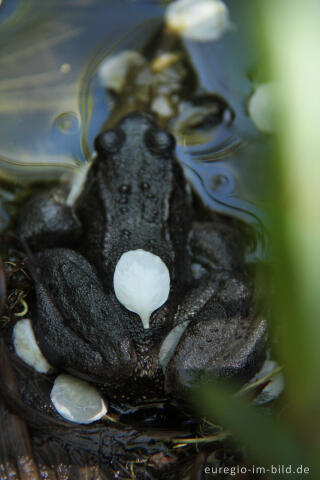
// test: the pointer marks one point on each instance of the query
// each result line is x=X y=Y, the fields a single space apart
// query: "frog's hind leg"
x=77 y=325
x=215 y=345
x=219 y=332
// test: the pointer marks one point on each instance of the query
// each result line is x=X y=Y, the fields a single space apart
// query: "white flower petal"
x=26 y=346
x=261 y=107
x=113 y=70
x=273 y=388
x=77 y=400
x=201 y=20
x=141 y=283
x=169 y=344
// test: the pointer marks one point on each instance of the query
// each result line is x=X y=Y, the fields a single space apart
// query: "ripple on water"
x=55 y=105
x=67 y=122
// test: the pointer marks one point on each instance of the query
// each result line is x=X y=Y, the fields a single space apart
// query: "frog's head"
x=134 y=144
x=141 y=182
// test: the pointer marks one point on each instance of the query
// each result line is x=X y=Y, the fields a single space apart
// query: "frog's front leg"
x=222 y=336
x=218 y=244
x=77 y=325
x=46 y=221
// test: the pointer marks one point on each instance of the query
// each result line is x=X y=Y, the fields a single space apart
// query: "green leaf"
x=267 y=441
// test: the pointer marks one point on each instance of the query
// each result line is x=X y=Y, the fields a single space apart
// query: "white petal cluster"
x=200 y=20
x=141 y=283
x=261 y=107
x=113 y=70
x=77 y=400
x=26 y=346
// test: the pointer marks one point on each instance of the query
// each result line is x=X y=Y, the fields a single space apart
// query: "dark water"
x=52 y=106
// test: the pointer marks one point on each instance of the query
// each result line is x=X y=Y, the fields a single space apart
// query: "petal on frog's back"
x=77 y=400
x=141 y=283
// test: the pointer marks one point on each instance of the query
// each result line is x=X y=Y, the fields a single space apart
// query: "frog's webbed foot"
x=46 y=221
x=223 y=339
x=222 y=336
x=77 y=325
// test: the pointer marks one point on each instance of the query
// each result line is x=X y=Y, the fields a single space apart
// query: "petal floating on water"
x=201 y=20
x=113 y=70
x=261 y=107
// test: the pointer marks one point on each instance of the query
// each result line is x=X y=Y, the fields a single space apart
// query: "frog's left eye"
x=158 y=141
x=109 y=142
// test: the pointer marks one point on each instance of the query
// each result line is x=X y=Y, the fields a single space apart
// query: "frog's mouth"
x=141 y=283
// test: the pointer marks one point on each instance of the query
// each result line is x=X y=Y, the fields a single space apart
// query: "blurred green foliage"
x=289 y=35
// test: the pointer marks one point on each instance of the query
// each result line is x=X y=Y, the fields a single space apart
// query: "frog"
x=135 y=197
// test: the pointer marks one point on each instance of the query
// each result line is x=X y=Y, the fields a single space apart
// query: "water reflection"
x=53 y=104
x=8 y=9
x=47 y=51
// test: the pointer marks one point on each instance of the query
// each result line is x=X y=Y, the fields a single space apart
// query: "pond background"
x=52 y=104
x=42 y=114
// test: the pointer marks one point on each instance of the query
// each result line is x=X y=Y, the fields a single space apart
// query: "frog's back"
x=135 y=196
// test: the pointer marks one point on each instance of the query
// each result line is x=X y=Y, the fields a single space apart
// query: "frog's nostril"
x=145 y=186
x=158 y=141
x=109 y=142
x=125 y=188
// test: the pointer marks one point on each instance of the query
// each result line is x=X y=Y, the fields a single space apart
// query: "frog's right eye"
x=159 y=141
x=109 y=142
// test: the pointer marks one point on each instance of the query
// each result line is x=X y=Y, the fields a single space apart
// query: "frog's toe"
x=216 y=346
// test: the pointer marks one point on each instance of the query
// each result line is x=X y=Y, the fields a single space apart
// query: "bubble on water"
x=67 y=122
x=222 y=182
x=65 y=68
x=218 y=182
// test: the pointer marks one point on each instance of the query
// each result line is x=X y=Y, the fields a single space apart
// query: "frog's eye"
x=109 y=142
x=158 y=141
